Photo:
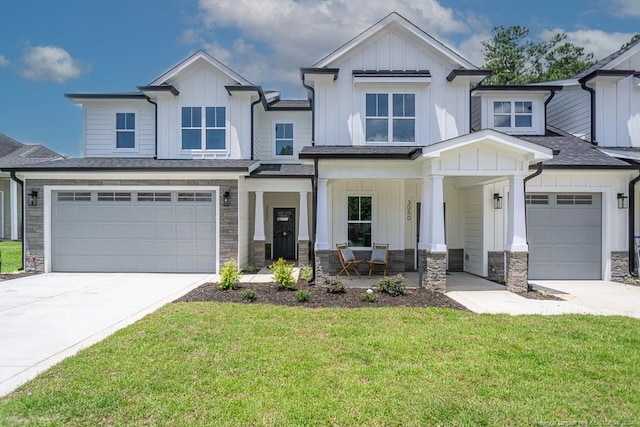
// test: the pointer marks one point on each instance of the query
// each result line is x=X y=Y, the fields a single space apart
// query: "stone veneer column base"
x=303 y=252
x=433 y=270
x=620 y=266
x=516 y=269
x=258 y=253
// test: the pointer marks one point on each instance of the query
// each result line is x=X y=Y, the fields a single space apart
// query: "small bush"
x=283 y=274
x=306 y=272
x=252 y=269
x=334 y=286
x=302 y=296
x=229 y=275
x=369 y=297
x=248 y=294
x=394 y=286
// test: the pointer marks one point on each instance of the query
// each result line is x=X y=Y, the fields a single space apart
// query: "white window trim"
x=390 y=117
x=293 y=140
x=203 y=130
x=345 y=218
x=537 y=114
x=136 y=131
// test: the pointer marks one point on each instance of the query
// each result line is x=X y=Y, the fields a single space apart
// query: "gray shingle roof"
x=602 y=63
x=573 y=152
x=291 y=104
x=282 y=171
x=102 y=163
x=360 y=151
x=14 y=153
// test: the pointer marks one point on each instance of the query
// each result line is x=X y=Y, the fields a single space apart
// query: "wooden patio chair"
x=379 y=256
x=347 y=260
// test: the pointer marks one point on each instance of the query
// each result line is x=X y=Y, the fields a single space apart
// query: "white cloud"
x=598 y=42
x=472 y=49
x=297 y=33
x=626 y=8
x=4 y=61
x=50 y=63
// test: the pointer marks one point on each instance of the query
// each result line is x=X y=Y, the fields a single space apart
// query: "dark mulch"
x=9 y=276
x=270 y=293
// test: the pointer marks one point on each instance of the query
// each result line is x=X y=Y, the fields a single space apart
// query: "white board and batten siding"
x=264 y=146
x=441 y=107
x=100 y=128
x=474 y=228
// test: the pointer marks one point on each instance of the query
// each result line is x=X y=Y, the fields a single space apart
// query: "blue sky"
x=49 y=48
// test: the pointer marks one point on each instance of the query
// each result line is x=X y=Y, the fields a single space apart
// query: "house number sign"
x=409 y=210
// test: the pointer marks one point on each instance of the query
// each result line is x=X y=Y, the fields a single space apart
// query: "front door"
x=284 y=233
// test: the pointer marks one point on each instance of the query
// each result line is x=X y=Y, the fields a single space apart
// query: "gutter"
x=314 y=180
x=632 y=225
x=312 y=100
x=155 y=155
x=592 y=94
x=21 y=183
x=253 y=104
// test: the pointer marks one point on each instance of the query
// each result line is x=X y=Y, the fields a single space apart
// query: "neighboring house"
x=12 y=154
x=201 y=166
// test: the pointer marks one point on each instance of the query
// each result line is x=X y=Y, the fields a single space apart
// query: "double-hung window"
x=125 y=130
x=512 y=114
x=284 y=139
x=214 y=135
x=390 y=117
x=359 y=221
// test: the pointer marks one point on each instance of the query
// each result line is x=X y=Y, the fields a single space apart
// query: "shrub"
x=369 y=297
x=229 y=275
x=302 y=296
x=306 y=272
x=248 y=294
x=283 y=274
x=334 y=286
x=252 y=269
x=394 y=286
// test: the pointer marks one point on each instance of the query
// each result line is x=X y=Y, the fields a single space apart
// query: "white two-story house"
x=392 y=146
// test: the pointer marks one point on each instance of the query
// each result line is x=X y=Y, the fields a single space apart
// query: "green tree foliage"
x=515 y=59
x=634 y=39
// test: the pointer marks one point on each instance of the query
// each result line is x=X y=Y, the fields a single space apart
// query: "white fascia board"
x=118 y=175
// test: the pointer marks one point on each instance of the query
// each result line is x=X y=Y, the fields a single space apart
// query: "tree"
x=634 y=39
x=515 y=59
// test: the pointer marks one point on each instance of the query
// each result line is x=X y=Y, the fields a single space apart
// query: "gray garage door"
x=565 y=236
x=145 y=231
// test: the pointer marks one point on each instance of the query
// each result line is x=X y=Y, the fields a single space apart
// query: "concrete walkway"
x=46 y=318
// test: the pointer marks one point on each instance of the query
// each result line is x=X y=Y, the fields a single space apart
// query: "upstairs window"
x=125 y=130
x=359 y=220
x=512 y=114
x=284 y=139
x=214 y=135
x=390 y=117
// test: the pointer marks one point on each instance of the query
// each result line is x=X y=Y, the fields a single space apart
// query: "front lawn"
x=11 y=253
x=252 y=364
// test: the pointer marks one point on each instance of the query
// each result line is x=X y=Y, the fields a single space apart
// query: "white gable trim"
x=635 y=50
x=536 y=151
x=200 y=55
x=393 y=18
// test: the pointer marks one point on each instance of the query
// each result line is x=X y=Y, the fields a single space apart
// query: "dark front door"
x=284 y=233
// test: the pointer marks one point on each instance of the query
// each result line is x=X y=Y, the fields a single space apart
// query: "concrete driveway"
x=46 y=318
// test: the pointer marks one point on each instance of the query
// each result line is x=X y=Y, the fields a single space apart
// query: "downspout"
x=314 y=181
x=546 y=102
x=21 y=183
x=312 y=98
x=539 y=168
x=155 y=156
x=253 y=104
x=632 y=225
x=592 y=93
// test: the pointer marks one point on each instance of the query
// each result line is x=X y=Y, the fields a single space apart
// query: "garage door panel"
x=565 y=238
x=130 y=236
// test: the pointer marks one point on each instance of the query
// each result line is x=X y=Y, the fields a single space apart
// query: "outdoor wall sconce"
x=497 y=201
x=33 y=198
x=622 y=201
x=226 y=195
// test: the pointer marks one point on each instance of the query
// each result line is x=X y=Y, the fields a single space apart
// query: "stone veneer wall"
x=517 y=271
x=433 y=270
x=259 y=253
x=620 y=266
x=328 y=263
x=303 y=252
x=34 y=215
x=496 y=265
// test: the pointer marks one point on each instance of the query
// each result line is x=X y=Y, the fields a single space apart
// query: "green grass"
x=11 y=252
x=235 y=364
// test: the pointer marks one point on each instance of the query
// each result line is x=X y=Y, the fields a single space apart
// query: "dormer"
x=514 y=110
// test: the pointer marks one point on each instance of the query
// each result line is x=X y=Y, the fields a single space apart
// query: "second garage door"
x=565 y=236
x=135 y=231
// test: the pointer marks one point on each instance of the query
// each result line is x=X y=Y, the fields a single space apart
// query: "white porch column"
x=303 y=219
x=516 y=226
x=432 y=215
x=258 y=230
x=322 y=216
x=13 y=209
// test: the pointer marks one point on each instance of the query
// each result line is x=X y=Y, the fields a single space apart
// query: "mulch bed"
x=270 y=293
x=9 y=276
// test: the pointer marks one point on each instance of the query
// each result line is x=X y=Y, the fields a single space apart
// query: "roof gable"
x=393 y=21
x=612 y=61
x=198 y=57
